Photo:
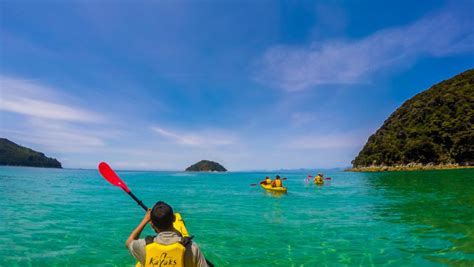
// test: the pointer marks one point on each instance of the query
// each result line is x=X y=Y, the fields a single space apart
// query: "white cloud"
x=179 y=138
x=34 y=100
x=56 y=136
x=44 y=117
x=201 y=139
x=327 y=140
x=352 y=61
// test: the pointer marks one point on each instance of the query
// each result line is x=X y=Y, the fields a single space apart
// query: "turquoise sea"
x=52 y=217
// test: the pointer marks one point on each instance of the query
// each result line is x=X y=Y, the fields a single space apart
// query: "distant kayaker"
x=166 y=248
x=267 y=181
x=277 y=182
x=319 y=178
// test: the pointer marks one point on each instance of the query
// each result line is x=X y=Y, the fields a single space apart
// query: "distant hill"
x=16 y=155
x=434 y=127
x=206 y=166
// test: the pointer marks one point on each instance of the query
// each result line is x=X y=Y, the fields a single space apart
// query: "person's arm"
x=198 y=259
x=138 y=230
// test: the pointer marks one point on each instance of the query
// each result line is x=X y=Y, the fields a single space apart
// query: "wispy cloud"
x=352 y=61
x=201 y=139
x=43 y=116
x=327 y=140
x=57 y=136
x=31 y=99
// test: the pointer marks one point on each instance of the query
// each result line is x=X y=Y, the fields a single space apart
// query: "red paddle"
x=329 y=178
x=113 y=178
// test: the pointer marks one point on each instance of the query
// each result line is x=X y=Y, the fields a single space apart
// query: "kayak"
x=274 y=189
x=178 y=224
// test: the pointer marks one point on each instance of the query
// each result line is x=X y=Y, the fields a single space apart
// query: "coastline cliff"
x=432 y=130
x=12 y=154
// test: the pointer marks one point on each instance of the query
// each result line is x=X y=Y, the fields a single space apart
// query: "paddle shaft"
x=139 y=202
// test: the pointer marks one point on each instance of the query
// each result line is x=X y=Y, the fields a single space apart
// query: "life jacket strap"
x=185 y=241
x=149 y=239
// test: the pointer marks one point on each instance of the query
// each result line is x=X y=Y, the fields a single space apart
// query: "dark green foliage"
x=15 y=155
x=435 y=126
x=206 y=166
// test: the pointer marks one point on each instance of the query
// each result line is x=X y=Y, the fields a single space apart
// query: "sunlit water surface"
x=69 y=217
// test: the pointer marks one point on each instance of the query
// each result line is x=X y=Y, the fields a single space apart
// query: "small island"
x=12 y=154
x=206 y=166
x=433 y=130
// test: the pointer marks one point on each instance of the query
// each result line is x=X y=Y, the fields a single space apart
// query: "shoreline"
x=410 y=167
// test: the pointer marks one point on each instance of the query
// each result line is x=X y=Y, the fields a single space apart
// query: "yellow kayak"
x=274 y=189
x=179 y=225
x=319 y=183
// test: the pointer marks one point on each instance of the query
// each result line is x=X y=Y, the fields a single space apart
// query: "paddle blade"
x=111 y=176
x=253 y=184
x=329 y=178
x=285 y=178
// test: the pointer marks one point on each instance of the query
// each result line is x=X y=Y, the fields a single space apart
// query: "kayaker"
x=166 y=248
x=267 y=181
x=319 y=178
x=277 y=182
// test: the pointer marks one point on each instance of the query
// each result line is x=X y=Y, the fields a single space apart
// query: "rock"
x=206 y=166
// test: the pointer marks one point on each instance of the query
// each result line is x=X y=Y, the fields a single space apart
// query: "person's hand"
x=147 y=217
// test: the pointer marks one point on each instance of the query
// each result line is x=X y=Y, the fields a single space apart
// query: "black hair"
x=162 y=216
x=278 y=176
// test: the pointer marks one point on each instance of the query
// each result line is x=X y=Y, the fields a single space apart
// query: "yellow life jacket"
x=166 y=255
x=318 y=180
x=268 y=181
x=158 y=255
x=278 y=183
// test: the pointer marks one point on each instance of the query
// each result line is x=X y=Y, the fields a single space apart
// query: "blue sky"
x=251 y=84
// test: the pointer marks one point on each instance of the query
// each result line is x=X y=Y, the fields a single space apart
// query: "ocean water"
x=68 y=217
